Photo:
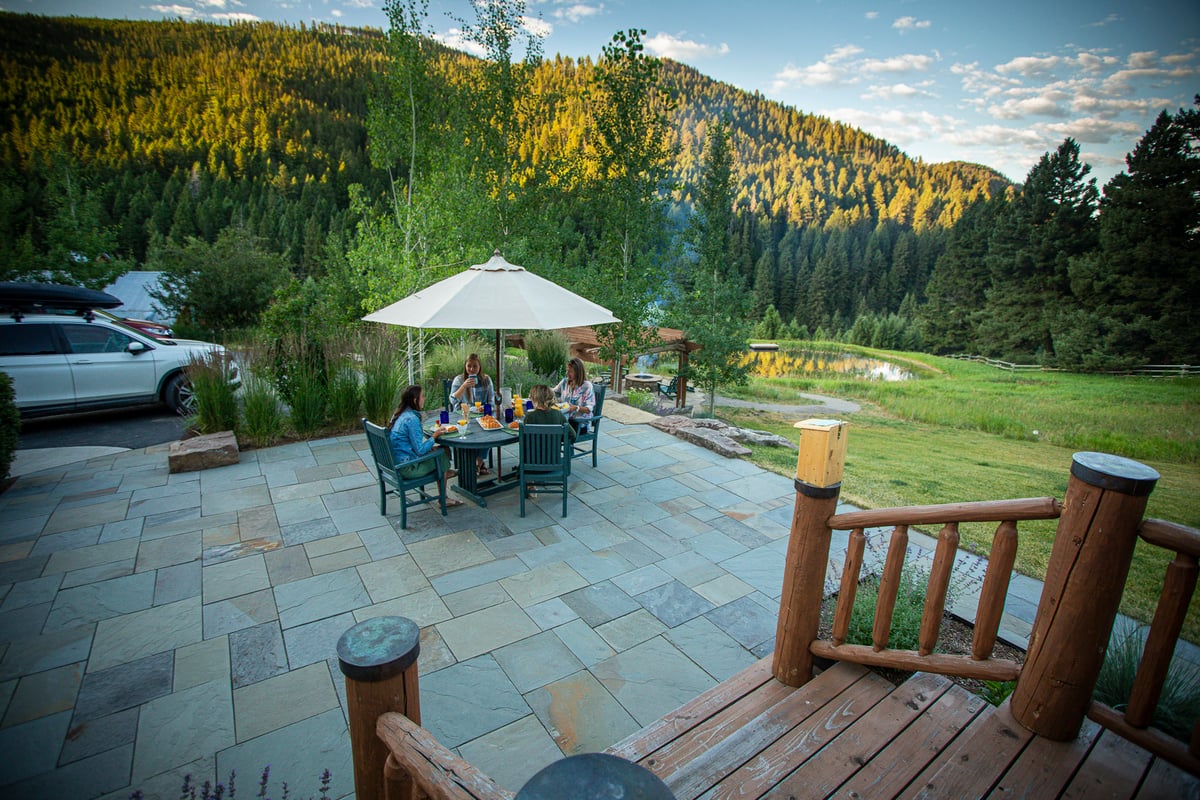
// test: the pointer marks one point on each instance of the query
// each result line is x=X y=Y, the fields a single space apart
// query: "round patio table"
x=466 y=446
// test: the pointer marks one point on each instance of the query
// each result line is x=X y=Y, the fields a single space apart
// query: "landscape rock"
x=718 y=436
x=203 y=452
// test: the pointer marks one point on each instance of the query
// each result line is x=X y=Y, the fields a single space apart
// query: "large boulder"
x=203 y=452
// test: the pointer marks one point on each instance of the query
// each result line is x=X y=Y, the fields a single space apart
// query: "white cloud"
x=900 y=91
x=910 y=23
x=578 y=12
x=1029 y=66
x=909 y=62
x=1014 y=108
x=872 y=15
x=455 y=40
x=175 y=10
x=537 y=27
x=822 y=73
x=843 y=52
x=841 y=67
x=667 y=46
x=1109 y=20
x=1145 y=59
x=1094 y=130
x=238 y=16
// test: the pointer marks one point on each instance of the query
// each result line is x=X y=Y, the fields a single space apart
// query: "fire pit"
x=642 y=380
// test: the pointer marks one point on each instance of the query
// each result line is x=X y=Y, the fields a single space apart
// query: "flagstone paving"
x=154 y=626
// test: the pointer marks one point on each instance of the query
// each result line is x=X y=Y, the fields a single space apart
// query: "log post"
x=379 y=659
x=818 y=483
x=594 y=776
x=1093 y=547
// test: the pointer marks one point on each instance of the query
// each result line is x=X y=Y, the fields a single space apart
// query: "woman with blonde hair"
x=576 y=391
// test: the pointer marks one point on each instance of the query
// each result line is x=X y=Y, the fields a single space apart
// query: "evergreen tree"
x=714 y=313
x=1137 y=295
x=1051 y=221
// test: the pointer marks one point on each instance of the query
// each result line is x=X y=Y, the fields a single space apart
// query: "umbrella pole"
x=499 y=360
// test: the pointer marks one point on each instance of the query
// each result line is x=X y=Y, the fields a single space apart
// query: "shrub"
x=906 y=617
x=1179 y=703
x=10 y=425
x=262 y=415
x=640 y=398
x=344 y=397
x=548 y=352
x=308 y=398
x=213 y=392
x=381 y=375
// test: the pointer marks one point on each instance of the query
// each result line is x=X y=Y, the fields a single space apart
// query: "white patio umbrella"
x=496 y=295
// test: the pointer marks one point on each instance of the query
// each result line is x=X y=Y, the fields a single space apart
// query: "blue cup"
x=508 y=415
x=444 y=417
x=487 y=409
x=529 y=405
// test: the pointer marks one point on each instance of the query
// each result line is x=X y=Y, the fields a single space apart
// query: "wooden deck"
x=849 y=733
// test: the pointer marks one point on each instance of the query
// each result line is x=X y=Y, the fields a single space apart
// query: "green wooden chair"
x=669 y=390
x=582 y=441
x=545 y=460
x=389 y=474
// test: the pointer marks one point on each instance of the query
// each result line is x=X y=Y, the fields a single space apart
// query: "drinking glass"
x=487 y=409
x=508 y=415
x=444 y=417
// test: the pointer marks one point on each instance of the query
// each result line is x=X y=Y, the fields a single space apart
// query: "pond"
x=802 y=362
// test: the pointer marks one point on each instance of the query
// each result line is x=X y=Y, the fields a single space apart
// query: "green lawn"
x=966 y=432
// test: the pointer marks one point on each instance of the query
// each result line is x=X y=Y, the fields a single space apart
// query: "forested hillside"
x=127 y=144
x=179 y=129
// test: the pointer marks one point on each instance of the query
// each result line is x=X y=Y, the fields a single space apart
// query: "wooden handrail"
x=436 y=771
x=982 y=511
x=1171 y=536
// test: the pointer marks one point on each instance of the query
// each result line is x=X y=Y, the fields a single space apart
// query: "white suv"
x=66 y=362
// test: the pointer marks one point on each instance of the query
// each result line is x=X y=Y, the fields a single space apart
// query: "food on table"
x=516 y=426
x=489 y=423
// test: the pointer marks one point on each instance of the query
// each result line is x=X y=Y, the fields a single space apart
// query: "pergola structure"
x=585 y=344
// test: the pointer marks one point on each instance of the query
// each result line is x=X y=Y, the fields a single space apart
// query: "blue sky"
x=996 y=83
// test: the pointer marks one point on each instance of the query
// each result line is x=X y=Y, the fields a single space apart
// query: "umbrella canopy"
x=493 y=295
x=496 y=295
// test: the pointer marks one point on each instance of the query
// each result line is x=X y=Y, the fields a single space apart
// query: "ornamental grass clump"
x=214 y=399
x=1178 y=705
x=263 y=419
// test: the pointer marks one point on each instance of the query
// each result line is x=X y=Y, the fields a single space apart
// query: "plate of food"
x=514 y=426
x=489 y=423
x=447 y=430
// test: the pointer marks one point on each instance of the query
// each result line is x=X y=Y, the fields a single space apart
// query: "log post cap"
x=594 y=776
x=1115 y=473
x=378 y=648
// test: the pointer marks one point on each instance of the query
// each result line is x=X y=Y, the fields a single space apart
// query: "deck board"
x=850 y=734
x=1114 y=768
x=848 y=753
x=1044 y=768
x=818 y=721
x=898 y=764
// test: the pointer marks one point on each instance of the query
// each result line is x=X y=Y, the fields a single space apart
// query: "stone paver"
x=156 y=625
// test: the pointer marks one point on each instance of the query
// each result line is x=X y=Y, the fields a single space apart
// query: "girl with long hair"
x=408 y=440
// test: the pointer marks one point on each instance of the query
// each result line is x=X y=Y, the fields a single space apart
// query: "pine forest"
x=334 y=170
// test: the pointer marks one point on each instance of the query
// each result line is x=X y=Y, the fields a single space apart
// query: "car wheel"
x=179 y=396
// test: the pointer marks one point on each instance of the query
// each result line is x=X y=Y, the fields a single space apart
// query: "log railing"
x=979 y=663
x=1100 y=520
x=1179 y=585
